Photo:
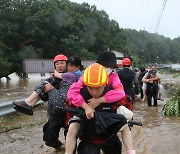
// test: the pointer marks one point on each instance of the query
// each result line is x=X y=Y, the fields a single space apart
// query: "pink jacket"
x=111 y=96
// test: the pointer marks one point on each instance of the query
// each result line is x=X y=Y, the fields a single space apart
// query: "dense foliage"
x=44 y=28
x=172 y=107
x=153 y=48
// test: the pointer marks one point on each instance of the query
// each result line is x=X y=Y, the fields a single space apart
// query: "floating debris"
x=4 y=79
x=14 y=76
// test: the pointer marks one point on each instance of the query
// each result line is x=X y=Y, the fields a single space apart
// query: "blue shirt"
x=78 y=73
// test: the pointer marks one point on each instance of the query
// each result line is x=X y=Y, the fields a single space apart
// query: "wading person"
x=95 y=80
x=54 y=91
x=141 y=75
x=107 y=59
x=152 y=88
x=146 y=79
x=128 y=79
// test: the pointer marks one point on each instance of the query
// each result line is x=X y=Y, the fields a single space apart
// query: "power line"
x=160 y=16
x=154 y=15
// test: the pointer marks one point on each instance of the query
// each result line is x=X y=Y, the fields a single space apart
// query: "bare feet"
x=144 y=98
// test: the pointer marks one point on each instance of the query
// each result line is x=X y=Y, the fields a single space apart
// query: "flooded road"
x=159 y=134
x=17 y=89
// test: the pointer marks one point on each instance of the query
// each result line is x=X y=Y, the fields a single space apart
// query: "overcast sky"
x=142 y=14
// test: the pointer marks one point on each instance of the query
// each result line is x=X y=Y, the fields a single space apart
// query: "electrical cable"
x=161 y=13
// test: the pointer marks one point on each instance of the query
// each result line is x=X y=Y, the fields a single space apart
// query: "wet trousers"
x=113 y=146
x=149 y=98
x=51 y=130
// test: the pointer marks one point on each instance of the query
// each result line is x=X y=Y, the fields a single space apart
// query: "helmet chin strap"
x=127 y=66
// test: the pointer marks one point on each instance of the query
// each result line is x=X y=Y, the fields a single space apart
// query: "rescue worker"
x=128 y=79
x=53 y=90
x=95 y=80
x=107 y=59
x=56 y=121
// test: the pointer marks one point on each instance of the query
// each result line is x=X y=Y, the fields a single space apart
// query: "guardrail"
x=7 y=107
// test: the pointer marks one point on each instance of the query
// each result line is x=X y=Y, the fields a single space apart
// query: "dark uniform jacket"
x=89 y=128
x=129 y=81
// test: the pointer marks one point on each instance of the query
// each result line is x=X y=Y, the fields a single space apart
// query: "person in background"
x=152 y=88
x=128 y=79
x=145 y=80
x=161 y=90
x=140 y=76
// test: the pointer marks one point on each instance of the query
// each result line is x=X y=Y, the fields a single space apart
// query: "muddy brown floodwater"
x=22 y=134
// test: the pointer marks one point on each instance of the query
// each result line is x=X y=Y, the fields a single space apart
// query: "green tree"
x=44 y=28
x=4 y=64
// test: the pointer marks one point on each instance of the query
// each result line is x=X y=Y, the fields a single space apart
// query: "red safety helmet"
x=60 y=57
x=126 y=62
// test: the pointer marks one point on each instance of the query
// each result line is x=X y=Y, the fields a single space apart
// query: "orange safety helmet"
x=95 y=75
x=60 y=57
x=126 y=62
